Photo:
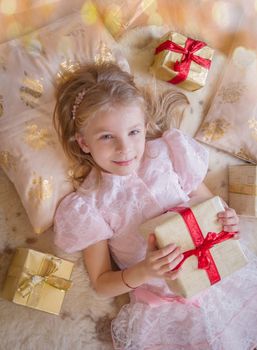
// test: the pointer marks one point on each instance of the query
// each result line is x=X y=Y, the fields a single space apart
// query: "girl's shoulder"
x=172 y=139
x=79 y=222
x=187 y=157
x=176 y=143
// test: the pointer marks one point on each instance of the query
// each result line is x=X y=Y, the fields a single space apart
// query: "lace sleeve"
x=189 y=159
x=79 y=224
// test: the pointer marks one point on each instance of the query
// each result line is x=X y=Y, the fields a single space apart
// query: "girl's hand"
x=229 y=220
x=160 y=262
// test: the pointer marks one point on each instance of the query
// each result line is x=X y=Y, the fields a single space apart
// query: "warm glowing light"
x=14 y=29
x=8 y=7
x=146 y=3
x=243 y=57
x=222 y=14
x=255 y=5
x=151 y=9
x=155 y=19
x=89 y=13
x=113 y=19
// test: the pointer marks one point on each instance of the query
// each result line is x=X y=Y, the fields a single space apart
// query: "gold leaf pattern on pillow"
x=41 y=189
x=36 y=137
x=7 y=160
x=1 y=106
x=214 y=130
x=66 y=67
x=245 y=154
x=104 y=54
x=31 y=91
x=232 y=93
x=253 y=126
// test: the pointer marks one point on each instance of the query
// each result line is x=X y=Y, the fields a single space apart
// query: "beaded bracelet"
x=122 y=277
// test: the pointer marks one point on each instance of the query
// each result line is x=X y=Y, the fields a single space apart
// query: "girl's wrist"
x=134 y=276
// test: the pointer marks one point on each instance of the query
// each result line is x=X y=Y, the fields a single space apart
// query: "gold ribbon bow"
x=33 y=283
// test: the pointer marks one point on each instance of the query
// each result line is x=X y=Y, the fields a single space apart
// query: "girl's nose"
x=123 y=146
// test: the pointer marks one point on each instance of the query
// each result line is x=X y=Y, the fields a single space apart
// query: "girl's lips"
x=124 y=162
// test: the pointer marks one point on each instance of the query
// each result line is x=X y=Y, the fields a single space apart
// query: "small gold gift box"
x=209 y=253
x=243 y=189
x=37 y=280
x=182 y=61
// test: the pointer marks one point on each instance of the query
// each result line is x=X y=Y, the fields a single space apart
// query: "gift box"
x=243 y=189
x=210 y=254
x=37 y=280
x=182 y=61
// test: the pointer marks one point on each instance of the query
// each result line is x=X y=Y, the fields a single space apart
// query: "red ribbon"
x=202 y=245
x=183 y=67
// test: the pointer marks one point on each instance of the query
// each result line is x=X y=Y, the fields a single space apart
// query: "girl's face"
x=115 y=138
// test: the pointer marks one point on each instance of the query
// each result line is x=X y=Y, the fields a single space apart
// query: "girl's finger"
x=160 y=253
x=227 y=213
x=173 y=274
x=237 y=235
x=231 y=228
x=229 y=221
x=170 y=266
x=170 y=257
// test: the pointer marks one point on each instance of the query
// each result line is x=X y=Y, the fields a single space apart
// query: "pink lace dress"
x=222 y=318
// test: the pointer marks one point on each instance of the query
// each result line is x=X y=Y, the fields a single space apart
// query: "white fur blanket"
x=84 y=322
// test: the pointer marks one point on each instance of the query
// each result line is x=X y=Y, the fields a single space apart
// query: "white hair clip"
x=78 y=100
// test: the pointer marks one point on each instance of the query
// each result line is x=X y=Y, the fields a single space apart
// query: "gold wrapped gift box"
x=37 y=280
x=191 y=56
x=243 y=189
x=226 y=257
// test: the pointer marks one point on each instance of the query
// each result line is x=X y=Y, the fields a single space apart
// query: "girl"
x=103 y=121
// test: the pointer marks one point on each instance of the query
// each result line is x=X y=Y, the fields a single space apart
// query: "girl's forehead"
x=119 y=115
x=116 y=118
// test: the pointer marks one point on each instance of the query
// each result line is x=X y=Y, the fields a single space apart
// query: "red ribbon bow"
x=183 y=67
x=200 y=251
x=202 y=245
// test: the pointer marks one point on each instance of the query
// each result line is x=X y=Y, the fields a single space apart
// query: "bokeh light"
x=14 y=29
x=224 y=15
x=8 y=7
x=113 y=19
x=89 y=13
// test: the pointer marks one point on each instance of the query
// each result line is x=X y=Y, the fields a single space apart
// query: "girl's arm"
x=109 y=283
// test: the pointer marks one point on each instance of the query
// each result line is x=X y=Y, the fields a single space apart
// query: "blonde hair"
x=104 y=86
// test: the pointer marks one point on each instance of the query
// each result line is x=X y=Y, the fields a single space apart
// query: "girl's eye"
x=134 y=132
x=106 y=137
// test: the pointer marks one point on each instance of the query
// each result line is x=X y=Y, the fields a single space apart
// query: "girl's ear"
x=82 y=143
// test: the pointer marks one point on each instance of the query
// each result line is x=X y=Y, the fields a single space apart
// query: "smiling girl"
x=131 y=167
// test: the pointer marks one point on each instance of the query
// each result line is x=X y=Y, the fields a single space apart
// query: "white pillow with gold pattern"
x=30 y=153
x=231 y=122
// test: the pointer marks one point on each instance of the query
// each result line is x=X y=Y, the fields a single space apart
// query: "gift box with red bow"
x=210 y=254
x=182 y=61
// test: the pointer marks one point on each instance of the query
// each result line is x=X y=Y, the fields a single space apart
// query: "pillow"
x=30 y=153
x=231 y=122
